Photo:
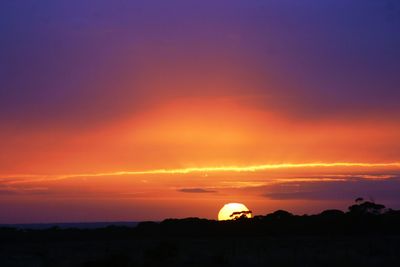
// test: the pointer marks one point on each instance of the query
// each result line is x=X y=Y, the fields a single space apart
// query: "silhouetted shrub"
x=280 y=215
x=366 y=208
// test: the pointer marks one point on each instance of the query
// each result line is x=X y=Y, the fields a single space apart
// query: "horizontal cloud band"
x=251 y=168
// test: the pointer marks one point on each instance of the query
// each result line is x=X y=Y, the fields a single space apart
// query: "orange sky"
x=196 y=133
x=74 y=177
x=144 y=110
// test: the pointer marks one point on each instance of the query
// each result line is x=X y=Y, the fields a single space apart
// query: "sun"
x=233 y=211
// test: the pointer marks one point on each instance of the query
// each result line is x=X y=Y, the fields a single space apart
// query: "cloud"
x=305 y=195
x=24 y=178
x=197 y=190
x=7 y=192
x=386 y=189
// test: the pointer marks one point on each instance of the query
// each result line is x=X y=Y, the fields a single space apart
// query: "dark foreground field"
x=253 y=251
x=364 y=236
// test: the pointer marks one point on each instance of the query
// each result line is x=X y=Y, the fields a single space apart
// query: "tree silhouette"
x=359 y=200
x=366 y=208
x=331 y=213
x=240 y=214
x=280 y=214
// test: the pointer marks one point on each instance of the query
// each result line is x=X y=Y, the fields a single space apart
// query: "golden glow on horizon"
x=233 y=211
x=221 y=169
x=211 y=135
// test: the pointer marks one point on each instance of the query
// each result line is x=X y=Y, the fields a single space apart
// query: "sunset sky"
x=146 y=110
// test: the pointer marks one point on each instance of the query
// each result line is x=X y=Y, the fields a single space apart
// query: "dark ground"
x=226 y=251
x=367 y=235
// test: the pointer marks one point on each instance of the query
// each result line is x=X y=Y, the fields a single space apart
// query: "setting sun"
x=153 y=121
x=137 y=111
x=233 y=211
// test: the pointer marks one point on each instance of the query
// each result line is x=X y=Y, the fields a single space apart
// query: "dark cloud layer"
x=386 y=189
x=196 y=190
x=7 y=192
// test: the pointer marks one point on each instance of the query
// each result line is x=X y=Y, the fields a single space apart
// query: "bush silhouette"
x=366 y=208
x=280 y=215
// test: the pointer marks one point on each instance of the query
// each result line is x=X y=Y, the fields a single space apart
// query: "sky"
x=145 y=110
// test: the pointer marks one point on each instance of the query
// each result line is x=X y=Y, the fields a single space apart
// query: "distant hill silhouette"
x=364 y=217
x=368 y=234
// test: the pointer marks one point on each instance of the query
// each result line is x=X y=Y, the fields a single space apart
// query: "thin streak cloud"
x=196 y=190
x=222 y=169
